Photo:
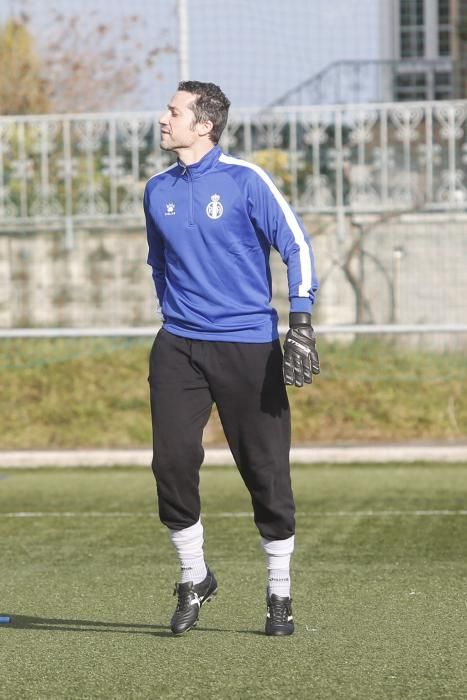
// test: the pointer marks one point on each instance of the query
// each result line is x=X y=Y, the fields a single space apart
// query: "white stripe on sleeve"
x=299 y=237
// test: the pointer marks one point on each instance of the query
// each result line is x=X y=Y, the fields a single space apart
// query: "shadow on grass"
x=50 y=624
x=24 y=622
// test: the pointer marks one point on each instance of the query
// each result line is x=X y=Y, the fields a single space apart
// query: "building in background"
x=430 y=42
x=421 y=55
x=459 y=45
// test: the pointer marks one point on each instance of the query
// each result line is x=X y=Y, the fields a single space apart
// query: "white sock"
x=278 y=554
x=189 y=546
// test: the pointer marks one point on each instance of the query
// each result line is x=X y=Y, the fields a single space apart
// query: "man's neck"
x=189 y=156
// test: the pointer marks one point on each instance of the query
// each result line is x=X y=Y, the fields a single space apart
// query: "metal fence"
x=364 y=158
x=383 y=188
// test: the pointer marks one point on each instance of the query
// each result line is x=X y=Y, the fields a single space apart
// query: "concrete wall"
x=410 y=270
x=102 y=281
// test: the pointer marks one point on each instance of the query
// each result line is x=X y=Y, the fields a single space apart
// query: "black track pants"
x=245 y=381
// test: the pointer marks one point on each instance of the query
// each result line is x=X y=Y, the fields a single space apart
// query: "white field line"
x=241 y=514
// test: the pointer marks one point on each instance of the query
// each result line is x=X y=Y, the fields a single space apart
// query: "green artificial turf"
x=379 y=588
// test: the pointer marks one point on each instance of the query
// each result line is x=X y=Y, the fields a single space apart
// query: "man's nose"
x=163 y=119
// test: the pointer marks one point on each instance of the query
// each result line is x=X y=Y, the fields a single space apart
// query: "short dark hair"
x=210 y=104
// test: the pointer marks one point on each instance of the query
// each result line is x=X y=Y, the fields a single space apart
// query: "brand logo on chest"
x=215 y=209
x=170 y=209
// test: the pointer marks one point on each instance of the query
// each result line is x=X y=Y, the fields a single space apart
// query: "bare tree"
x=93 y=65
x=81 y=62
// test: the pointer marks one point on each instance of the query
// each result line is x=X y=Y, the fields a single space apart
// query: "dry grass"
x=93 y=393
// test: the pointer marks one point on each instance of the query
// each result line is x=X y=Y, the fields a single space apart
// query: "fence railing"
x=358 y=81
x=57 y=170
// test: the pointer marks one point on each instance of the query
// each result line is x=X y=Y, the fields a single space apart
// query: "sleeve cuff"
x=301 y=304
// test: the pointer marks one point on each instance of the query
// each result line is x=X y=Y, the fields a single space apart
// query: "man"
x=211 y=221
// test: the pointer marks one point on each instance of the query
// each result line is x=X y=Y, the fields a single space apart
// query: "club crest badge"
x=170 y=209
x=215 y=209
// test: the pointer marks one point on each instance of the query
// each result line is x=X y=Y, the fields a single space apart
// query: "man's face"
x=178 y=128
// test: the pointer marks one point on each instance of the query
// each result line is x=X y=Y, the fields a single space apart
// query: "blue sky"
x=255 y=49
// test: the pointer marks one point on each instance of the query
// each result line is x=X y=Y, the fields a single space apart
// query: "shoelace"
x=185 y=596
x=279 y=611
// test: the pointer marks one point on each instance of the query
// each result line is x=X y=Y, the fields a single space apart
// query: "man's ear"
x=204 y=128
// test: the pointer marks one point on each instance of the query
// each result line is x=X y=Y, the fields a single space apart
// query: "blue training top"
x=210 y=229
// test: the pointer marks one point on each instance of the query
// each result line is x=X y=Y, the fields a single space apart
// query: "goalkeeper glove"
x=301 y=359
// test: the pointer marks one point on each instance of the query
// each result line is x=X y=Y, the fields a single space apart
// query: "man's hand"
x=301 y=359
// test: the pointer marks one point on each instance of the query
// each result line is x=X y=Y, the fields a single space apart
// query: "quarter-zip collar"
x=202 y=166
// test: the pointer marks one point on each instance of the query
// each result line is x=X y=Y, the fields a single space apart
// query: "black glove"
x=301 y=359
